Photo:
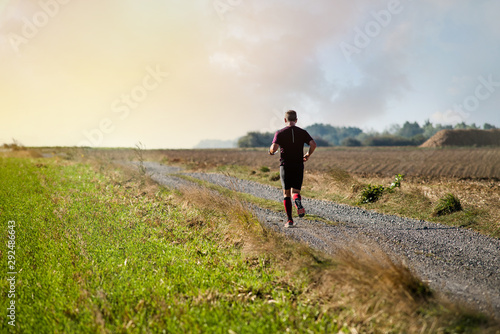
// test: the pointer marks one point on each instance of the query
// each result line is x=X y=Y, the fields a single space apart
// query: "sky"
x=170 y=73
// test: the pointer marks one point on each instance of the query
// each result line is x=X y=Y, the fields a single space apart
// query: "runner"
x=291 y=140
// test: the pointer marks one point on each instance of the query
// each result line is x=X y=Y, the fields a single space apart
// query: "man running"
x=291 y=140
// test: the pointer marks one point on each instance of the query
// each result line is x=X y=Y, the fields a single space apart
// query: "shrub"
x=256 y=139
x=275 y=176
x=371 y=193
x=447 y=204
x=265 y=169
x=388 y=140
x=397 y=181
x=15 y=146
x=351 y=142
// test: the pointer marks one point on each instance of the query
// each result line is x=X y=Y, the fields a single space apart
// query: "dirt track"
x=456 y=262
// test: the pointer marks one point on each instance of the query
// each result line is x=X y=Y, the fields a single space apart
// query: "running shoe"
x=300 y=209
x=289 y=223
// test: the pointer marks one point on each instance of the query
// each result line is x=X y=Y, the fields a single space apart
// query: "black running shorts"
x=292 y=176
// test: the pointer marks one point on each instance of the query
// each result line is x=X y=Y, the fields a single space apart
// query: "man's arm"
x=273 y=149
x=312 y=147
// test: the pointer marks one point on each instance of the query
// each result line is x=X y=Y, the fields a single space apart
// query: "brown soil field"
x=475 y=163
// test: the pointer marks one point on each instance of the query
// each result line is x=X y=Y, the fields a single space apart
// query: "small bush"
x=371 y=193
x=388 y=140
x=15 y=146
x=397 y=181
x=265 y=169
x=351 y=142
x=275 y=176
x=448 y=204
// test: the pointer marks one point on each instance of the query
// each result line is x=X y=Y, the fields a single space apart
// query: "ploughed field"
x=480 y=163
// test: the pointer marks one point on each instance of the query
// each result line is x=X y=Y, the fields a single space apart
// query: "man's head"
x=291 y=117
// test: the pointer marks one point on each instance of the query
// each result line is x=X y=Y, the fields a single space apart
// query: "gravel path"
x=460 y=263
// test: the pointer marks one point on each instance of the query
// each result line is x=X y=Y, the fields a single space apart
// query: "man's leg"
x=296 y=186
x=297 y=199
x=287 y=202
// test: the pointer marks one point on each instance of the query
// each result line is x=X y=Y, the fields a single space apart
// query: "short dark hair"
x=291 y=116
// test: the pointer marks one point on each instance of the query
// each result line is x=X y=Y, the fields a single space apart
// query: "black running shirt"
x=291 y=140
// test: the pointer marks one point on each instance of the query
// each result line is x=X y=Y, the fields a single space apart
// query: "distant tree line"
x=408 y=134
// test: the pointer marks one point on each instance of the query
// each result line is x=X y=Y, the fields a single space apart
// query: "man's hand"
x=273 y=149
x=312 y=147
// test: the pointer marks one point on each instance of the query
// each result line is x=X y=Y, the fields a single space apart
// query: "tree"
x=332 y=134
x=346 y=132
x=393 y=129
x=324 y=131
x=487 y=126
x=410 y=130
x=472 y=126
x=256 y=139
x=321 y=142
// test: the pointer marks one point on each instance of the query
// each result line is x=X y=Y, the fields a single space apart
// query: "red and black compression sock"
x=298 y=204
x=287 y=202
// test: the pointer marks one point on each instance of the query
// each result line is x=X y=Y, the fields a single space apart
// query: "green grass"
x=94 y=256
x=447 y=205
